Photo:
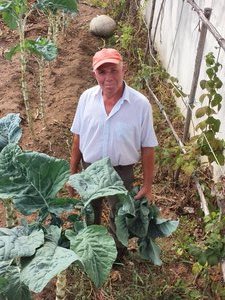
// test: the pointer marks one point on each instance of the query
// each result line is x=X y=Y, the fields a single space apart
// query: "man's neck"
x=113 y=98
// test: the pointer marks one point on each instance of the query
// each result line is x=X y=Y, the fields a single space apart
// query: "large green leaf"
x=10 y=131
x=54 y=5
x=96 y=249
x=138 y=225
x=18 y=242
x=161 y=227
x=5 y=4
x=10 y=172
x=32 y=179
x=10 y=20
x=59 y=205
x=48 y=261
x=41 y=47
x=12 y=11
x=125 y=212
x=13 y=288
x=144 y=225
x=167 y=227
x=45 y=48
x=12 y=51
x=98 y=180
x=149 y=250
x=122 y=231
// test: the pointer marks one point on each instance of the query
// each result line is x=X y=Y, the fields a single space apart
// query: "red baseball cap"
x=106 y=55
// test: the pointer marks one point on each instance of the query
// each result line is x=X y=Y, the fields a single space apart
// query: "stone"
x=102 y=26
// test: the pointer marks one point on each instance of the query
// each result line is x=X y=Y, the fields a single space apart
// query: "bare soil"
x=65 y=78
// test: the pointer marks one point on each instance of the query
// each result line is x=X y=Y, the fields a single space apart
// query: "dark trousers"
x=127 y=175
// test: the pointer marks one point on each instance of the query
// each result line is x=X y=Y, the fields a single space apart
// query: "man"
x=113 y=120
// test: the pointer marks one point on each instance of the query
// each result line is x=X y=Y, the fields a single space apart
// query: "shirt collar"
x=124 y=97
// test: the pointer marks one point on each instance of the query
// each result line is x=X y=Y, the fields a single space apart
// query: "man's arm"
x=74 y=159
x=147 y=158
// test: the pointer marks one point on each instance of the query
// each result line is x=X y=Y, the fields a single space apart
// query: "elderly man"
x=114 y=120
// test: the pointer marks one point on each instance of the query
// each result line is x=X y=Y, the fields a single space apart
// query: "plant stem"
x=53 y=28
x=61 y=286
x=23 y=66
x=41 y=64
x=10 y=213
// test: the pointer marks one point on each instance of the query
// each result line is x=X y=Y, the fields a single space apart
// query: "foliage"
x=33 y=179
x=157 y=73
x=56 y=11
x=41 y=47
x=55 y=5
x=96 y=249
x=13 y=11
x=98 y=180
x=209 y=144
x=99 y=3
x=212 y=250
x=10 y=131
x=144 y=224
x=125 y=38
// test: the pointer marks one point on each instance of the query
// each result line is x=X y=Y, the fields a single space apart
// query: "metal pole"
x=149 y=41
x=198 y=60
x=211 y=28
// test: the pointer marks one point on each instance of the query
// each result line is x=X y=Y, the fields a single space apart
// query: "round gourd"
x=103 y=26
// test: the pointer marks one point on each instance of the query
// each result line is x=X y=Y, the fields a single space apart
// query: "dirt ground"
x=65 y=78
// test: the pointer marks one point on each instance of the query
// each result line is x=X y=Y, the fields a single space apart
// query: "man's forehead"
x=108 y=66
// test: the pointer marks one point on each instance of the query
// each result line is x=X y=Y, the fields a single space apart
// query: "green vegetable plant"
x=15 y=14
x=55 y=10
x=208 y=142
x=126 y=36
x=10 y=132
x=34 y=180
x=44 y=51
x=212 y=249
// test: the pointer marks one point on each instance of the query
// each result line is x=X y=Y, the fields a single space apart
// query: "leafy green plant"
x=10 y=132
x=33 y=181
x=99 y=3
x=134 y=218
x=212 y=250
x=43 y=50
x=126 y=36
x=209 y=144
x=15 y=14
x=157 y=73
x=52 y=9
x=147 y=227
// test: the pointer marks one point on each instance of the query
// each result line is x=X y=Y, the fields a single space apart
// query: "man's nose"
x=109 y=75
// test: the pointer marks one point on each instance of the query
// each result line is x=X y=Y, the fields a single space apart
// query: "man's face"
x=110 y=78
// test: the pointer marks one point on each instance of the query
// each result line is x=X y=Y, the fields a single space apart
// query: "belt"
x=123 y=167
x=117 y=168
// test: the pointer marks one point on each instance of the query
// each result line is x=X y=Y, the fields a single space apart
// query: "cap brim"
x=104 y=61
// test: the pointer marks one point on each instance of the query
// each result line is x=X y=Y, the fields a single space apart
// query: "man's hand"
x=144 y=192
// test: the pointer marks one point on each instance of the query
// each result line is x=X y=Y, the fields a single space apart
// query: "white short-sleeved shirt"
x=119 y=135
